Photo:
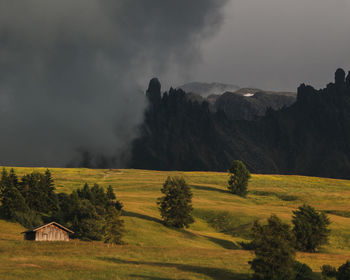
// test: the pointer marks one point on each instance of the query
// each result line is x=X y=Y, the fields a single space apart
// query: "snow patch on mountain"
x=206 y=89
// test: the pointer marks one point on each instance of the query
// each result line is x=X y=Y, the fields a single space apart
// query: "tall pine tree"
x=114 y=227
x=239 y=177
x=176 y=204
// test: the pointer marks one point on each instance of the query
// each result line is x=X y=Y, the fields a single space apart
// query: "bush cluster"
x=342 y=273
x=92 y=213
x=275 y=244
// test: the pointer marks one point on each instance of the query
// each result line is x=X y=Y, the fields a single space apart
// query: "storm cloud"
x=72 y=73
x=278 y=44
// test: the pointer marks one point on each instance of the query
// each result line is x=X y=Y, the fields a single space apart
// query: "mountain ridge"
x=310 y=137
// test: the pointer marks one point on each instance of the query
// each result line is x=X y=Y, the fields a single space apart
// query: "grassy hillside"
x=209 y=249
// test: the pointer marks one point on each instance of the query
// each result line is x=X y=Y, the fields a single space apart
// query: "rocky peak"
x=154 y=91
x=339 y=77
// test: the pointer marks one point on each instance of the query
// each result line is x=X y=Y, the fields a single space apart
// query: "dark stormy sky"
x=72 y=72
x=278 y=44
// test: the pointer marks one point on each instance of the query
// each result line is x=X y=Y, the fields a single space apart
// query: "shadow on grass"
x=206 y=188
x=281 y=196
x=226 y=244
x=345 y=214
x=243 y=231
x=215 y=273
x=141 y=216
x=188 y=234
x=151 y=277
x=152 y=219
x=246 y=245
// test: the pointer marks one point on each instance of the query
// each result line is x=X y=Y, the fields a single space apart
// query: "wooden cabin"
x=49 y=232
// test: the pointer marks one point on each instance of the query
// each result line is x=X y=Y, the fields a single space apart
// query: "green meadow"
x=211 y=248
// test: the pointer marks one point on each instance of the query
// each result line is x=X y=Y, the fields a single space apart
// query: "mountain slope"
x=311 y=137
x=247 y=105
x=206 y=89
x=237 y=103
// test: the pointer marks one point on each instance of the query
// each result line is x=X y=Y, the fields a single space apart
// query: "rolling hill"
x=210 y=249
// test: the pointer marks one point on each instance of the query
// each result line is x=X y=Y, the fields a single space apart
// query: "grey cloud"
x=70 y=71
x=278 y=44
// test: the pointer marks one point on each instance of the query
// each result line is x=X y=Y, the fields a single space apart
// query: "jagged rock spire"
x=339 y=76
x=154 y=91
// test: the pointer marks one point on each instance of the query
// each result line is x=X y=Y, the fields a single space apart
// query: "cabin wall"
x=51 y=233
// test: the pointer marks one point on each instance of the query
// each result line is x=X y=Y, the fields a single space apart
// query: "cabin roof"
x=45 y=225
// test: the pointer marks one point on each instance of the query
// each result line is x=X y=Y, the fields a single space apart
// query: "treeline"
x=91 y=212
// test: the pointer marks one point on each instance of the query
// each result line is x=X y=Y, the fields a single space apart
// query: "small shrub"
x=344 y=271
x=328 y=271
x=249 y=246
x=286 y=197
x=302 y=271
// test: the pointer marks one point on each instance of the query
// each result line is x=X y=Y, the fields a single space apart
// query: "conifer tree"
x=274 y=251
x=38 y=191
x=176 y=204
x=12 y=178
x=50 y=189
x=4 y=181
x=49 y=182
x=8 y=179
x=239 y=177
x=114 y=227
x=86 y=222
x=98 y=195
x=113 y=199
x=310 y=228
x=85 y=192
x=110 y=193
x=12 y=203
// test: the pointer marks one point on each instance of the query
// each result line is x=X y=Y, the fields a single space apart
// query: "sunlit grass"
x=209 y=249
